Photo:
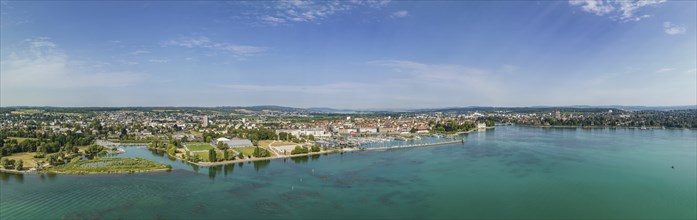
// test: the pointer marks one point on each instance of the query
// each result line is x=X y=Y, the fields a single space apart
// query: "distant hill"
x=642 y=108
x=326 y=110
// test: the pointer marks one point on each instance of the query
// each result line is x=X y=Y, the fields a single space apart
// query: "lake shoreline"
x=51 y=170
x=353 y=149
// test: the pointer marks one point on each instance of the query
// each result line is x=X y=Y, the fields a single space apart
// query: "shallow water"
x=508 y=172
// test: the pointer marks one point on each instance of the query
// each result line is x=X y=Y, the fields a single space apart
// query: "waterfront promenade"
x=279 y=156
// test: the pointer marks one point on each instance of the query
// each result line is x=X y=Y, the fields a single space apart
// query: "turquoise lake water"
x=507 y=172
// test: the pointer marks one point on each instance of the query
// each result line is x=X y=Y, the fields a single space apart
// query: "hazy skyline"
x=348 y=54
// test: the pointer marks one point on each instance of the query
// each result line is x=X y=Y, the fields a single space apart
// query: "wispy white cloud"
x=139 y=52
x=329 y=88
x=414 y=84
x=665 y=69
x=299 y=11
x=673 y=29
x=44 y=65
x=620 y=10
x=158 y=61
x=127 y=62
x=597 y=7
x=41 y=43
x=400 y=14
x=445 y=76
x=203 y=42
x=13 y=16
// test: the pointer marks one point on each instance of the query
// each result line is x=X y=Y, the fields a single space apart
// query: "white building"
x=368 y=130
x=307 y=132
x=235 y=143
x=204 y=121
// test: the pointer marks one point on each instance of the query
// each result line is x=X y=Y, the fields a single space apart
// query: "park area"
x=26 y=157
x=110 y=165
x=199 y=146
x=279 y=147
x=245 y=150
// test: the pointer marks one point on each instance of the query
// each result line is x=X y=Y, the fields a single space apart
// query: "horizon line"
x=343 y=108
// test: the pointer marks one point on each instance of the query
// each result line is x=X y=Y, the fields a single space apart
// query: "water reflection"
x=260 y=164
x=47 y=176
x=212 y=171
x=6 y=177
x=157 y=152
x=171 y=158
x=228 y=168
x=300 y=160
x=195 y=167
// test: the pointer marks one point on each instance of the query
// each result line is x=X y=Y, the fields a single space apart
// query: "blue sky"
x=348 y=54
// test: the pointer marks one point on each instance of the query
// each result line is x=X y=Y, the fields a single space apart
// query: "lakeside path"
x=205 y=164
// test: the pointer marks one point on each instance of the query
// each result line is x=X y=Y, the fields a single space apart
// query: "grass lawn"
x=27 y=157
x=82 y=148
x=283 y=143
x=265 y=143
x=245 y=150
x=199 y=146
x=110 y=165
x=204 y=155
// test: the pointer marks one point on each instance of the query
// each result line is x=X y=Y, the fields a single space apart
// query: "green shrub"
x=299 y=150
x=261 y=152
x=20 y=164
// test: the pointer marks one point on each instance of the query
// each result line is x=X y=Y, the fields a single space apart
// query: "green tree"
x=93 y=150
x=299 y=150
x=53 y=160
x=283 y=136
x=8 y=163
x=196 y=158
x=20 y=164
x=221 y=146
x=171 y=149
x=261 y=152
x=211 y=155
